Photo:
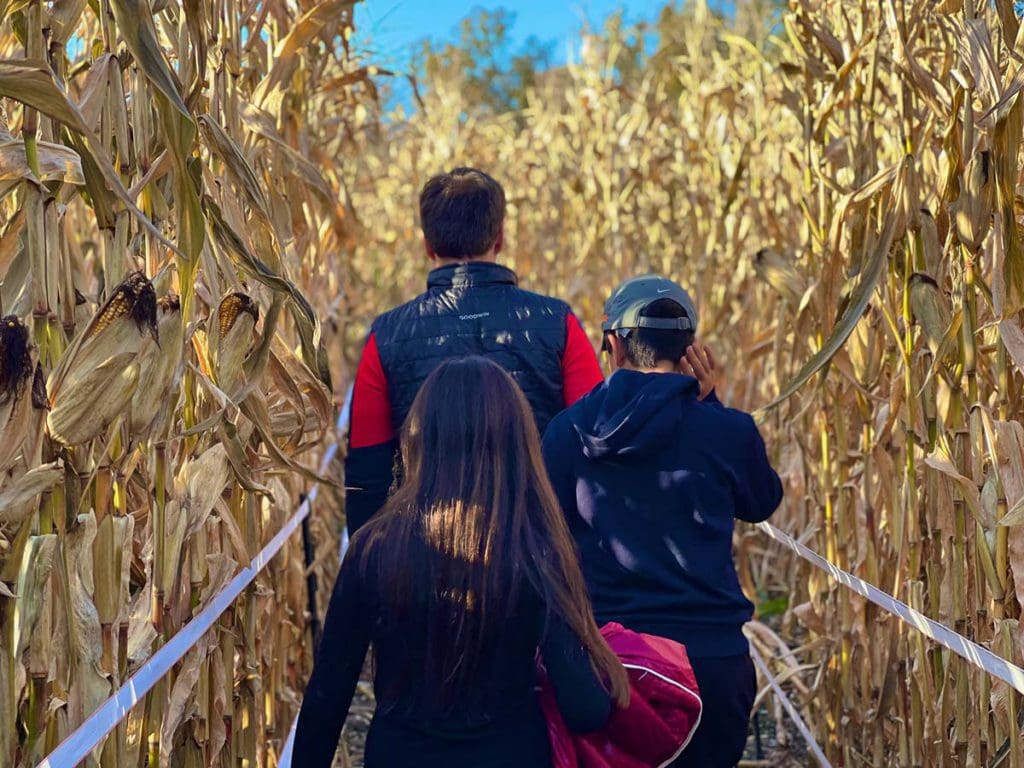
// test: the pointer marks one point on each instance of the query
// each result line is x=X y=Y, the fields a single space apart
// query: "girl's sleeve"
x=582 y=699
x=339 y=662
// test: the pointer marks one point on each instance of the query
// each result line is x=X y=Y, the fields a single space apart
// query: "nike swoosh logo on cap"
x=664 y=290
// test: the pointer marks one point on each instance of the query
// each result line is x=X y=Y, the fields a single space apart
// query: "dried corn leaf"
x=135 y=24
x=18 y=496
x=852 y=315
x=112 y=536
x=31 y=83
x=33 y=578
x=304 y=31
x=940 y=460
x=84 y=636
x=56 y=163
x=201 y=483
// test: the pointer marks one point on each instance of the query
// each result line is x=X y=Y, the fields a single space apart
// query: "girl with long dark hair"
x=467 y=571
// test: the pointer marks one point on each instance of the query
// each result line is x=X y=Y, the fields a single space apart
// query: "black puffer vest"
x=475 y=309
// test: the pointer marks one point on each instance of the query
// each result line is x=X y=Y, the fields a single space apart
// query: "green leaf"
x=774 y=607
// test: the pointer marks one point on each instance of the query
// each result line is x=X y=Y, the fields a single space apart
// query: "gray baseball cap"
x=625 y=307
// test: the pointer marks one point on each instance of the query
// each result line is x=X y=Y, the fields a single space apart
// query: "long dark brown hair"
x=473 y=525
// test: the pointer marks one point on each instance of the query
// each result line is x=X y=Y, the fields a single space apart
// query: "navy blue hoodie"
x=651 y=480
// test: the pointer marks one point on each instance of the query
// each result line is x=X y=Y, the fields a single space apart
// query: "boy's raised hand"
x=699 y=362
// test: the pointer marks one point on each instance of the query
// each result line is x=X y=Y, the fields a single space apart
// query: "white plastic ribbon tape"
x=289 y=746
x=977 y=655
x=95 y=728
x=794 y=715
x=90 y=733
x=343 y=422
x=286 y=752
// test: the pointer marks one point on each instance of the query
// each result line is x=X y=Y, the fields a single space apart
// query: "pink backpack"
x=662 y=716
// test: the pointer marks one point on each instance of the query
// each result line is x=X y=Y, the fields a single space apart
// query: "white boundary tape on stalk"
x=794 y=715
x=289 y=745
x=76 y=747
x=977 y=655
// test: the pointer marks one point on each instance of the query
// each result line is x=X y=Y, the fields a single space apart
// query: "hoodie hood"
x=627 y=416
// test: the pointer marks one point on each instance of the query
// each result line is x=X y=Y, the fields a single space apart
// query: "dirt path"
x=791 y=753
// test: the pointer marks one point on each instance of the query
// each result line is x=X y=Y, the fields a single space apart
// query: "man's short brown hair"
x=461 y=213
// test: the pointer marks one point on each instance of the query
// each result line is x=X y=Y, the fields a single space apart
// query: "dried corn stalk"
x=156 y=157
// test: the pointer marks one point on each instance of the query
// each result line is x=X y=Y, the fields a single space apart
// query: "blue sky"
x=393 y=27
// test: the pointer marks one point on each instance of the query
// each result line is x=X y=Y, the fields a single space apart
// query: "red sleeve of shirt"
x=581 y=371
x=371 y=408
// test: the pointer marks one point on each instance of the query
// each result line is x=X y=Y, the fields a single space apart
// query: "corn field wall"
x=200 y=202
x=171 y=227
x=841 y=190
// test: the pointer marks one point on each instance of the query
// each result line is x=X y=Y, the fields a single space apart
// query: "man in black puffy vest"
x=472 y=306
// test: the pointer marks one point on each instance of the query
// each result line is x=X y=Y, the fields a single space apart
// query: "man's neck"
x=486 y=258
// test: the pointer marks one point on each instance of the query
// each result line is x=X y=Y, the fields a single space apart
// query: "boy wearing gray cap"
x=652 y=471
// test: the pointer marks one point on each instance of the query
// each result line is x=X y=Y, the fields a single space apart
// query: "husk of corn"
x=159 y=368
x=97 y=377
x=231 y=338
